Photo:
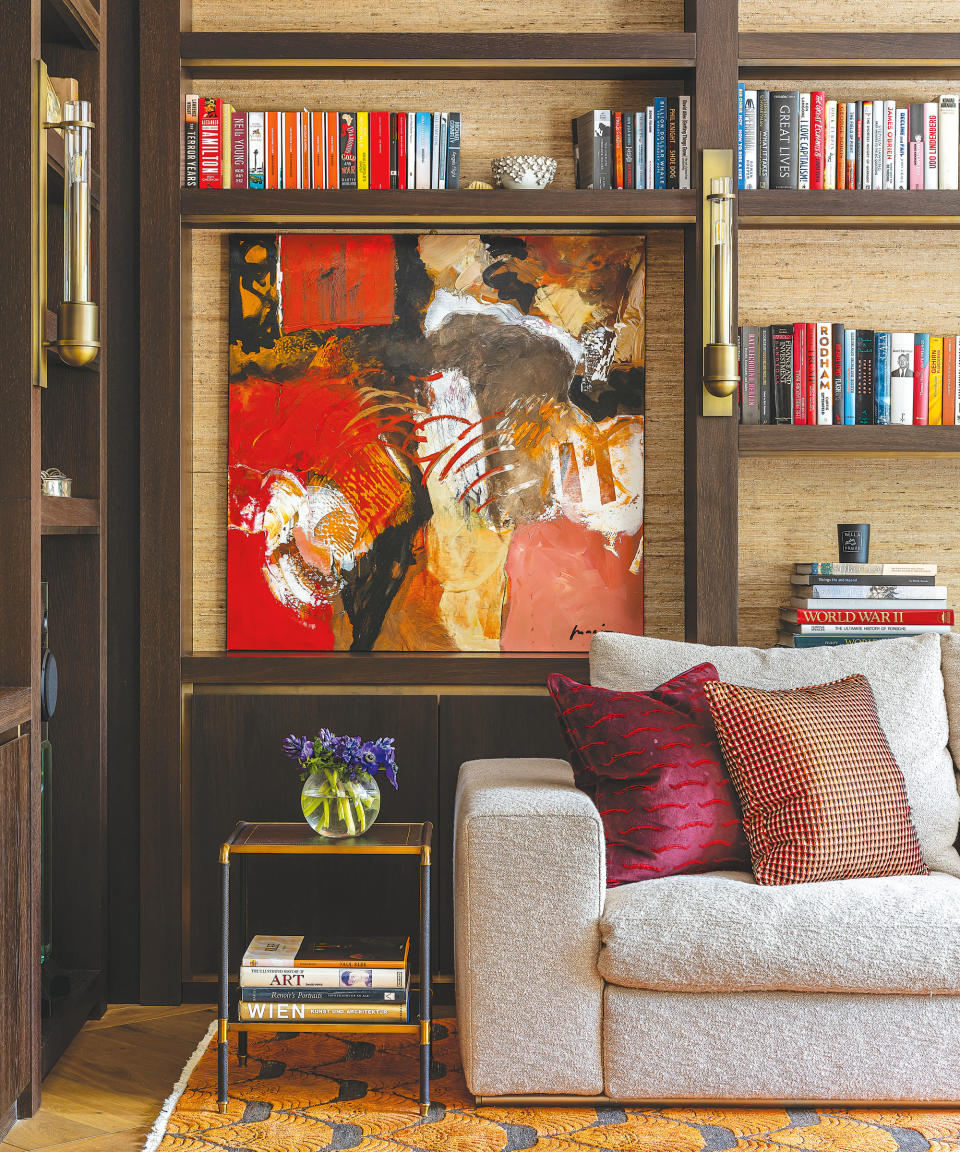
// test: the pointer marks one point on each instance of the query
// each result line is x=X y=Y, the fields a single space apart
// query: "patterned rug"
x=320 y=1093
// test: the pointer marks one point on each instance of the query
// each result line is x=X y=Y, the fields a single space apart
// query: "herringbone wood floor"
x=108 y=1087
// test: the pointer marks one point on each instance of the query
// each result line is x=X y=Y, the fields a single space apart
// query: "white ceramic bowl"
x=523 y=171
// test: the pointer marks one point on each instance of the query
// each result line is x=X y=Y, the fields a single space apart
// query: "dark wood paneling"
x=780 y=439
x=474 y=728
x=382 y=668
x=16 y=947
x=71 y=22
x=65 y=514
x=14 y=707
x=160 y=491
x=903 y=51
x=240 y=773
x=785 y=208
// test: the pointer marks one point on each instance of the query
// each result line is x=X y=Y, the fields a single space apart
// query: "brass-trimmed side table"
x=299 y=839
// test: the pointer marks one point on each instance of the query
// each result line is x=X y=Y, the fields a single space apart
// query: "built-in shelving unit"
x=68 y=514
x=780 y=208
x=14 y=707
x=865 y=440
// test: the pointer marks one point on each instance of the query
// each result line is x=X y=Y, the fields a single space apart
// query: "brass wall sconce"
x=78 y=325
x=720 y=368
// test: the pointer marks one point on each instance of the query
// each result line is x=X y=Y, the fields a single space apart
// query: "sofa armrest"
x=529 y=887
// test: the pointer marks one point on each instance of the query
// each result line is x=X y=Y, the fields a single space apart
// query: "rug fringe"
x=159 y=1129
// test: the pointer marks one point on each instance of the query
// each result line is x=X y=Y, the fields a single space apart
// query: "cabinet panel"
x=238 y=772
x=16 y=960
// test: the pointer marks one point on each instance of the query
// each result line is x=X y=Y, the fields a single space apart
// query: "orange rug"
x=319 y=1093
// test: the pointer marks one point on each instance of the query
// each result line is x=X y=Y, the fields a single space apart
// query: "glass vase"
x=333 y=806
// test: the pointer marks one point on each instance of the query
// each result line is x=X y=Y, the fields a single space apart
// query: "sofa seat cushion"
x=908 y=687
x=723 y=932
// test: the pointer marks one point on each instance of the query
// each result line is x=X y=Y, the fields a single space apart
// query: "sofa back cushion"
x=907 y=685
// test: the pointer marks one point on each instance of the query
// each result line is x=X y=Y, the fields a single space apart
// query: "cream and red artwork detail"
x=652 y=764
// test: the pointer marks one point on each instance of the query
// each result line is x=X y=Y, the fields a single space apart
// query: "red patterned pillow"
x=652 y=764
x=823 y=797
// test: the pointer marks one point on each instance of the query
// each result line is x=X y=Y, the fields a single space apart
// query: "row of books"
x=835 y=604
x=226 y=148
x=803 y=140
x=337 y=980
x=803 y=373
x=647 y=149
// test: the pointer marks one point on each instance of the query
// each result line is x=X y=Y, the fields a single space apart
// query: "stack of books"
x=336 y=980
x=227 y=148
x=648 y=149
x=804 y=140
x=848 y=603
x=823 y=373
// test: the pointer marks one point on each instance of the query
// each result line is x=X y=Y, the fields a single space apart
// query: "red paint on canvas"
x=337 y=281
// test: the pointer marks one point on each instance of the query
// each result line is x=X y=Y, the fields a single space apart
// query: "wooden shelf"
x=502 y=669
x=55 y=162
x=74 y=22
x=446 y=54
x=783 y=208
x=250 y=209
x=850 y=52
x=70 y=1013
x=69 y=515
x=865 y=440
x=14 y=707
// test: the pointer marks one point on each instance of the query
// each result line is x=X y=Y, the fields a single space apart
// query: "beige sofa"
x=700 y=988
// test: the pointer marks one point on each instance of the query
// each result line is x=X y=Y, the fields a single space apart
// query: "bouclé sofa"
x=711 y=987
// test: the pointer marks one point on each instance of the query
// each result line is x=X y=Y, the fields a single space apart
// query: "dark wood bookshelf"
x=71 y=22
x=868 y=440
x=849 y=53
x=69 y=1013
x=477 y=55
x=14 y=707
x=68 y=515
x=787 y=208
x=551 y=208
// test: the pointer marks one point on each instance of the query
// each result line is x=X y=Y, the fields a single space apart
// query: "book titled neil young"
x=338 y=962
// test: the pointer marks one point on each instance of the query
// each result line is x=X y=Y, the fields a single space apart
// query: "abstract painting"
x=436 y=442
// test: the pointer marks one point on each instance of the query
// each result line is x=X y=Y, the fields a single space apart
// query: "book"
x=650 y=146
x=789 y=640
x=763 y=138
x=294 y=980
x=878 y=616
x=859 y=146
x=328 y=952
x=865 y=383
x=363 y=151
x=855 y=601
x=931 y=145
x=442 y=166
x=395 y=150
x=318 y=151
x=362 y=996
x=347 y=136
x=850 y=376
x=435 y=125
x=915 y=154
x=841 y=144
x=765 y=372
x=879 y=144
x=813 y=397
x=424 y=140
x=640 y=128
x=903 y=141
x=901 y=377
x=854 y=629
x=592 y=151
x=842 y=568
x=949 y=141
x=618 y=150
x=322 y=1013
x=781 y=338
x=305 y=131
x=750 y=375
x=629 y=151
x=803 y=142
x=256 y=151
x=238 y=150
x=837 y=332
x=750 y=138
x=684 y=145
x=741 y=151
x=209 y=152
x=921 y=377
x=292 y=157
x=950 y=380
x=331 y=135
x=830 y=145
x=889 y=142
x=226 y=144
x=411 y=150
x=380 y=167
x=191 y=142
x=453 y=150
x=784 y=139
x=881 y=377
x=866 y=148
x=659 y=142
x=824 y=362
x=818 y=139
x=850 y=165
x=862 y=581
x=800 y=373
x=935 y=382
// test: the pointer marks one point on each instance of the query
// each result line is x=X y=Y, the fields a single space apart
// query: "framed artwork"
x=435 y=442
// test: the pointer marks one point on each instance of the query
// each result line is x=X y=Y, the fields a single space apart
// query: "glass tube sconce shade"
x=720 y=371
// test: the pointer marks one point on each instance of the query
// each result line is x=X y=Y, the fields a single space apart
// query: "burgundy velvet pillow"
x=652 y=764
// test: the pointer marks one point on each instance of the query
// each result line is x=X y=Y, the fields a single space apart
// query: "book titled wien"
x=294 y=962
x=296 y=1010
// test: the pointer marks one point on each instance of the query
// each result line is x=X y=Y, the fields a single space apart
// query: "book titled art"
x=436 y=443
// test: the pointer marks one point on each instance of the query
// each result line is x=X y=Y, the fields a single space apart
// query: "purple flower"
x=298 y=748
x=386 y=758
x=347 y=748
x=369 y=756
x=326 y=739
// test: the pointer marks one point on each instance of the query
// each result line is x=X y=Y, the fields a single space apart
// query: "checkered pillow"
x=823 y=797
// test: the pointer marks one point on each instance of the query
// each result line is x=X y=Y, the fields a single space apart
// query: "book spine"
x=881 y=616
x=935 y=387
x=949 y=137
x=301 y=976
x=879 y=629
x=803 y=143
x=949 y=379
x=750 y=404
x=750 y=138
x=191 y=142
x=841 y=144
x=824 y=374
x=830 y=145
x=781 y=336
x=363 y=151
x=318 y=151
x=866 y=153
x=238 y=150
x=629 y=152
x=685 y=137
x=347 y=136
x=618 y=150
x=850 y=159
x=865 y=392
x=640 y=139
x=956 y=373
x=271 y=152
x=332 y=142
x=784 y=136
x=813 y=402
x=791 y=641
x=889 y=143
x=931 y=145
x=921 y=594
x=380 y=151
x=881 y=385
x=765 y=370
x=361 y=996
x=800 y=373
x=916 y=146
x=843 y=568
x=226 y=144
x=921 y=377
x=860 y=142
x=741 y=165
x=763 y=138
x=850 y=376
x=453 y=150
x=256 y=151
x=444 y=140
x=879 y=143
x=660 y=142
x=305 y=130
x=424 y=135
x=837 y=350
x=291 y=150
x=411 y=150
x=294 y=1011
x=395 y=151
x=650 y=146
x=903 y=145
x=818 y=139
x=435 y=125
x=210 y=152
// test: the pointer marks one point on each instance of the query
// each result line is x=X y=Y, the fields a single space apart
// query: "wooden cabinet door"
x=16 y=961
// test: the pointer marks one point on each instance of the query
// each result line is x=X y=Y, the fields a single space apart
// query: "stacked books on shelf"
x=336 y=980
x=226 y=148
x=646 y=149
x=821 y=373
x=848 y=603
x=805 y=140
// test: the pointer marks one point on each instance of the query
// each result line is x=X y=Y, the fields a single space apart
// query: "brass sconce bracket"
x=720 y=370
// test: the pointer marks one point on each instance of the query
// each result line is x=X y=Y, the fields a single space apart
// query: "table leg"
x=222 y=1070
x=425 y=971
x=242 y=1049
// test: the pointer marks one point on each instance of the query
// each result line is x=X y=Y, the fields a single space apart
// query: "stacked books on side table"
x=336 y=980
x=848 y=603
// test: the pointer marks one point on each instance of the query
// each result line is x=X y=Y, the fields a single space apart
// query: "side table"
x=299 y=839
